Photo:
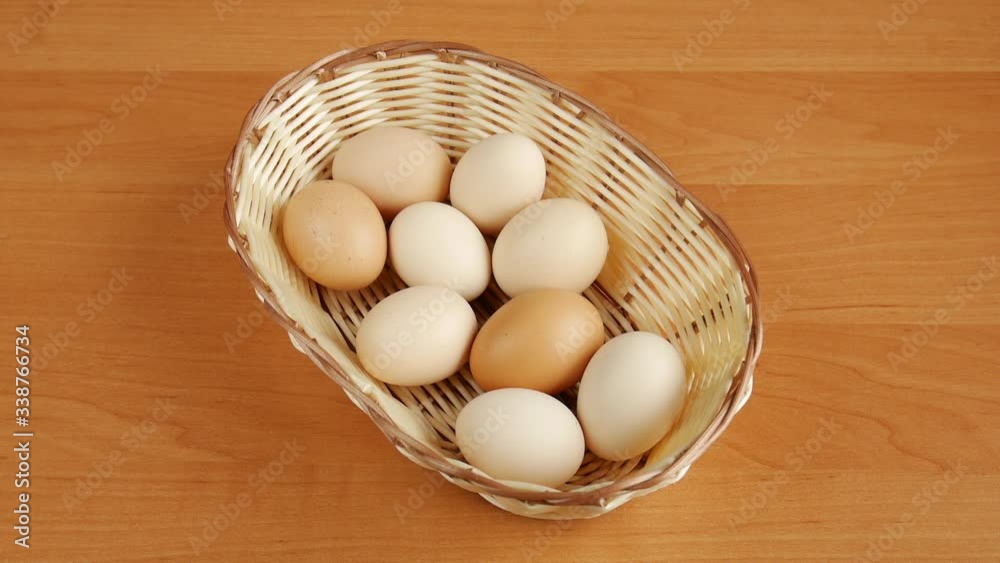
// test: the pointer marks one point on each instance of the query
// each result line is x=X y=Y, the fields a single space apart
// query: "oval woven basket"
x=674 y=267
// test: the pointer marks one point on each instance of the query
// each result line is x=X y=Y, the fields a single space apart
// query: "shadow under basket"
x=674 y=268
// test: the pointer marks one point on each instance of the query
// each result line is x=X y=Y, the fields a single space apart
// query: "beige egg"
x=540 y=340
x=395 y=166
x=521 y=435
x=496 y=178
x=335 y=235
x=554 y=243
x=433 y=243
x=417 y=336
x=631 y=393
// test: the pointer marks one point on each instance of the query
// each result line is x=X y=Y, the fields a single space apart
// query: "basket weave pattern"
x=674 y=268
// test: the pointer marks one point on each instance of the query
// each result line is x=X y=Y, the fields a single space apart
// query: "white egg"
x=432 y=243
x=496 y=178
x=521 y=435
x=631 y=393
x=555 y=243
x=417 y=336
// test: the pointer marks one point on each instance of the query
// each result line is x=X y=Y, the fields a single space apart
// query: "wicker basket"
x=674 y=267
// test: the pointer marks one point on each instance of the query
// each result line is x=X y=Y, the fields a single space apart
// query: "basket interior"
x=667 y=272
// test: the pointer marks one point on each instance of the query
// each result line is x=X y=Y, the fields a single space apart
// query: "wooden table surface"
x=162 y=400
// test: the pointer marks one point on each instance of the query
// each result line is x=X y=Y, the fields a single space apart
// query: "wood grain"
x=837 y=306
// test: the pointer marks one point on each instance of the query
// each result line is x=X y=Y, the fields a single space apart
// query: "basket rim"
x=327 y=67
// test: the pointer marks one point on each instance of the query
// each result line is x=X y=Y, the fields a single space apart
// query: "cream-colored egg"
x=555 y=243
x=631 y=393
x=334 y=234
x=496 y=178
x=395 y=166
x=417 y=336
x=521 y=435
x=432 y=243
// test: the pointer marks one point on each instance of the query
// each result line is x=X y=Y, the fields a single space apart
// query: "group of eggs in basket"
x=543 y=341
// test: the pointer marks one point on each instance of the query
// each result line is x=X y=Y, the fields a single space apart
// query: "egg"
x=416 y=336
x=432 y=243
x=541 y=340
x=496 y=178
x=631 y=393
x=521 y=435
x=334 y=234
x=395 y=166
x=554 y=243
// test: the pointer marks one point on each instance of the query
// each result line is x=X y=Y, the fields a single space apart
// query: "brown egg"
x=335 y=234
x=540 y=340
